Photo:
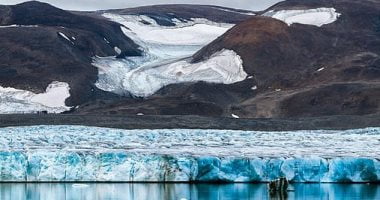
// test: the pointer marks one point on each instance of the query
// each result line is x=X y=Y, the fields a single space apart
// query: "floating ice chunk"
x=254 y=87
x=22 y=101
x=317 y=17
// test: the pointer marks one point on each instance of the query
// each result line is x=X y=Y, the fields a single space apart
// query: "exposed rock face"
x=294 y=69
x=40 y=44
x=165 y=14
x=303 y=70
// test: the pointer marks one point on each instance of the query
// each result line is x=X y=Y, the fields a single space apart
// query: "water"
x=106 y=191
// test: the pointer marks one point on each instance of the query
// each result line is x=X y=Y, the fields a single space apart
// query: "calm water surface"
x=106 y=191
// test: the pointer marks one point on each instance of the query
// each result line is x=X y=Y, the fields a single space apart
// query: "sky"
x=108 y=4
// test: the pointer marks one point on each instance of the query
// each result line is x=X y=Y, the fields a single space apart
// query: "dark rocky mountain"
x=49 y=44
x=165 y=14
x=328 y=70
x=295 y=71
x=299 y=70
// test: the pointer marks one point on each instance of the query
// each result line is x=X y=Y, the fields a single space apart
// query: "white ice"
x=19 y=26
x=65 y=37
x=166 y=53
x=223 y=67
x=21 y=101
x=317 y=17
x=72 y=153
x=195 y=32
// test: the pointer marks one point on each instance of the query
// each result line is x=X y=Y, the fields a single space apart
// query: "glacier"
x=80 y=153
x=22 y=101
x=316 y=17
x=166 y=57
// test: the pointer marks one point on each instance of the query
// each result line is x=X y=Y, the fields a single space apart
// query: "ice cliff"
x=77 y=153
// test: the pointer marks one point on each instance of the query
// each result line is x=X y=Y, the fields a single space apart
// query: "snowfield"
x=78 y=153
x=166 y=53
x=316 y=17
x=22 y=101
x=195 y=32
x=223 y=67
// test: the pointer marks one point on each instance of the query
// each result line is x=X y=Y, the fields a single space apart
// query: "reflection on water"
x=106 y=191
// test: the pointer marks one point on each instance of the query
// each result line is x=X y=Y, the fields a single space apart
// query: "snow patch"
x=317 y=17
x=320 y=69
x=223 y=67
x=19 y=26
x=235 y=116
x=65 y=37
x=237 y=12
x=195 y=32
x=117 y=50
x=21 y=101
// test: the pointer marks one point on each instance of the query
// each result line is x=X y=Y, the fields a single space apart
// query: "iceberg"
x=79 y=153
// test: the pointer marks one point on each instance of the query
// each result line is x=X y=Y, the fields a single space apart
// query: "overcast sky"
x=107 y=4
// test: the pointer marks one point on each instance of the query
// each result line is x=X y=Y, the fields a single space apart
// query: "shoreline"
x=129 y=122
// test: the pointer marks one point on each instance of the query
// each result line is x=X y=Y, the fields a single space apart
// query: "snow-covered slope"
x=22 y=101
x=71 y=153
x=223 y=67
x=317 y=17
x=166 y=48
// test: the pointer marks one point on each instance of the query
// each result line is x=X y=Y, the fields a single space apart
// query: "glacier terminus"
x=80 y=153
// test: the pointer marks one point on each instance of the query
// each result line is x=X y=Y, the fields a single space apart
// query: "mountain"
x=166 y=15
x=312 y=58
x=41 y=44
x=308 y=69
x=295 y=59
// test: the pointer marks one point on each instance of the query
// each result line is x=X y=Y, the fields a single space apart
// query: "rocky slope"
x=312 y=58
x=167 y=15
x=304 y=70
x=44 y=47
x=40 y=44
x=295 y=59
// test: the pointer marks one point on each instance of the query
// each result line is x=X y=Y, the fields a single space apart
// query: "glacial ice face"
x=223 y=67
x=21 y=101
x=78 y=153
x=165 y=60
x=317 y=17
